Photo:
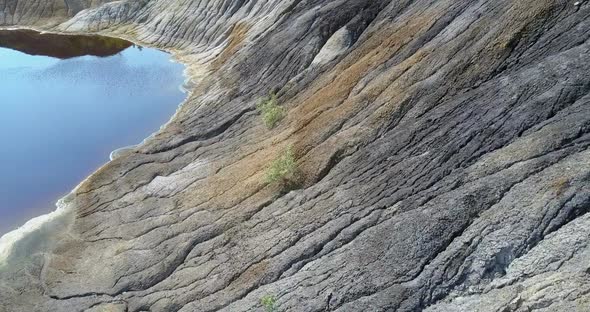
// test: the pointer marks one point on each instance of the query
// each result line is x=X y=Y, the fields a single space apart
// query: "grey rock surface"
x=442 y=148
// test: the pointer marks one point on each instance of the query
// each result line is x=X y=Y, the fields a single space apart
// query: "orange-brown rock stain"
x=235 y=40
x=314 y=118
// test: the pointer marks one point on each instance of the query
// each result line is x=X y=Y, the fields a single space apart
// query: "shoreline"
x=50 y=224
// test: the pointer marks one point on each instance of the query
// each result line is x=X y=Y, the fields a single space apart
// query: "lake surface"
x=63 y=111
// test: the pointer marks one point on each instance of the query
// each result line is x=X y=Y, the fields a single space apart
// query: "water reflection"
x=60 y=119
x=59 y=46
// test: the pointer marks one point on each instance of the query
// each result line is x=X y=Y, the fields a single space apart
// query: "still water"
x=66 y=102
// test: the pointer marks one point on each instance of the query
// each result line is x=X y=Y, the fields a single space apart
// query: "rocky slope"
x=442 y=149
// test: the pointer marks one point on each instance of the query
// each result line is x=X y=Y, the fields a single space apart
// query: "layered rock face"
x=442 y=151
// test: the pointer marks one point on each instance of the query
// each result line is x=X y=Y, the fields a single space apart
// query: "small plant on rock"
x=271 y=112
x=283 y=168
x=269 y=302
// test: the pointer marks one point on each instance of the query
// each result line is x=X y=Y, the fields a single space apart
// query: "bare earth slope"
x=442 y=147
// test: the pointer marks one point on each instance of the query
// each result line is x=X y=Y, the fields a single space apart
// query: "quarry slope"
x=442 y=151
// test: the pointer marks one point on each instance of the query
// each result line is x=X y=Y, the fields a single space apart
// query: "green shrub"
x=283 y=168
x=269 y=302
x=271 y=112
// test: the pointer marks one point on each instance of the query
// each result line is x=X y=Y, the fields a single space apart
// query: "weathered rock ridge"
x=443 y=149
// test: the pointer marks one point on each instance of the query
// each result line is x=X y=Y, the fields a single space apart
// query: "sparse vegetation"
x=271 y=112
x=269 y=302
x=283 y=168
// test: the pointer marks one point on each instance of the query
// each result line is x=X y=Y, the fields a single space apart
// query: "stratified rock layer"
x=442 y=145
